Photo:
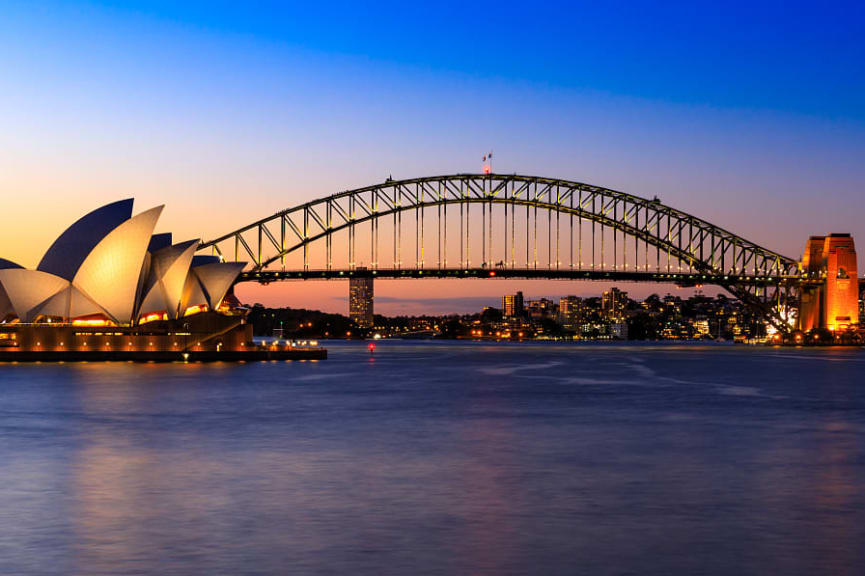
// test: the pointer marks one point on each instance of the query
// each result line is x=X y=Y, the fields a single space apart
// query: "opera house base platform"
x=204 y=337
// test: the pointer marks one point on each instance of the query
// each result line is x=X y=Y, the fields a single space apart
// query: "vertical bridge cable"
x=571 y=215
x=490 y=233
x=468 y=235
x=580 y=232
x=417 y=237
x=615 y=237
x=439 y=237
x=306 y=239
x=505 y=235
x=462 y=261
x=483 y=234
x=594 y=211
x=421 y=235
x=445 y=241
x=527 y=236
x=513 y=232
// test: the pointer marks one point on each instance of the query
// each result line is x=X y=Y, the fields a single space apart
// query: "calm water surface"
x=439 y=458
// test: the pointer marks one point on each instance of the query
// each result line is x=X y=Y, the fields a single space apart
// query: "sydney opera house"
x=109 y=286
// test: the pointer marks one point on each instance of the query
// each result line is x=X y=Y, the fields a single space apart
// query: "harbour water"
x=440 y=458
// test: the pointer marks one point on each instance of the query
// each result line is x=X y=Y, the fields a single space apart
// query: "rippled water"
x=439 y=458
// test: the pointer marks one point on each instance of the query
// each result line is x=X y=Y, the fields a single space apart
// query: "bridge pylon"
x=829 y=294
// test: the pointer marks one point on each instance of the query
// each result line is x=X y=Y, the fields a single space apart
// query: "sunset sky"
x=749 y=115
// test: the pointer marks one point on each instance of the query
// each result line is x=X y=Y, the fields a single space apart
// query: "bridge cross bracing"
x=485 y=225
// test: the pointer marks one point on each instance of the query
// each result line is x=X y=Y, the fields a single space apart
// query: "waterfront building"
x=570 y=312
x=543 y=308
x=619 y=330
x=512 y=305
x=614 y=303
x=109 y=268
x=360 y=301
x=109 y=287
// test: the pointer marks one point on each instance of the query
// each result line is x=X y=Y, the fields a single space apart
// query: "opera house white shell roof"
x=110 y=264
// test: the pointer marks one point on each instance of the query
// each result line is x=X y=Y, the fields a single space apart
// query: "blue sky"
x=800 y=57
x=747 y=114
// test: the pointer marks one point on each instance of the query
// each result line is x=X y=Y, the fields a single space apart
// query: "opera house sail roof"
x=110 y=266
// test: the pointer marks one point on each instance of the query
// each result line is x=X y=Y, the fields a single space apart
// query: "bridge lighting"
x=368 y=198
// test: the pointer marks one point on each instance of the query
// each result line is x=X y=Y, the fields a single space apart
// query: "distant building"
x=861 y=309
x=360 y=302
x=542 y=308
x=570 y=312
x=512 y=305
x=613 y=304
x=619 y=331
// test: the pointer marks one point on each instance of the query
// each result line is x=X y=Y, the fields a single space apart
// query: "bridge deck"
x=268 y=276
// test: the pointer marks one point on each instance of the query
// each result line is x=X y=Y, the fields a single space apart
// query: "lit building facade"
x=513 y=305
x=570 y=312
x=360 y=302
x=614 y=303
x=109 y=283
x=542 y=308
x=832 y=299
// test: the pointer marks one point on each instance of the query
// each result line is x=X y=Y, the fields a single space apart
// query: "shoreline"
x=266 y=355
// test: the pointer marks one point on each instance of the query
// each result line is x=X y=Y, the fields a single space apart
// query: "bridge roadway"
x=682 y=279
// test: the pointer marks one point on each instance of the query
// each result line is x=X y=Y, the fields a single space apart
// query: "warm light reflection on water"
x=439 y=458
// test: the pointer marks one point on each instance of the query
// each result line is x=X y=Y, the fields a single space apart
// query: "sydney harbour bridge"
x=513 y=226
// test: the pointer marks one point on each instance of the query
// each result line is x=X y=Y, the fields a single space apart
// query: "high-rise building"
x=613 y=303
x=570 y=312
x=360 y=301
x=512 y=305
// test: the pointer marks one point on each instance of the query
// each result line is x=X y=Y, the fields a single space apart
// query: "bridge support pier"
x=829 y=297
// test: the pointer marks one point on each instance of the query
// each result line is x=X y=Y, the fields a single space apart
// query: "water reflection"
x=437 y=459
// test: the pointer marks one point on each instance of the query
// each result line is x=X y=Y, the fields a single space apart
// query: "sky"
x=748 y=115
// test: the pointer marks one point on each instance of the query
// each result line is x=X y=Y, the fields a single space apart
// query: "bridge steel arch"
x=761 y=278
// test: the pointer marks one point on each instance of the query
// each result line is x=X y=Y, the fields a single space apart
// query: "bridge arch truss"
x=624 y=234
